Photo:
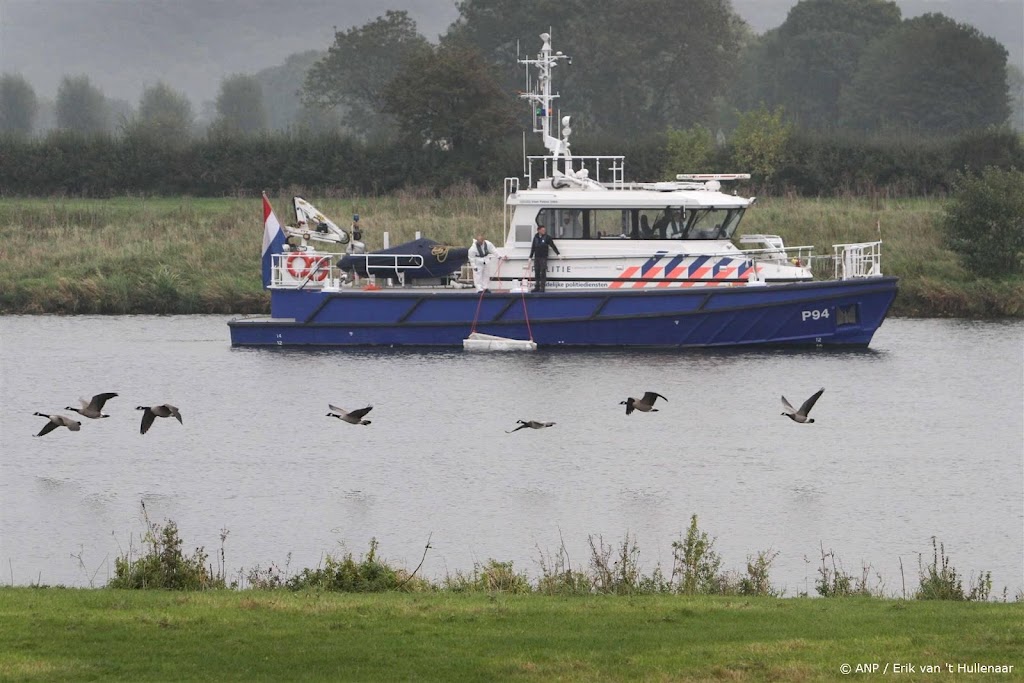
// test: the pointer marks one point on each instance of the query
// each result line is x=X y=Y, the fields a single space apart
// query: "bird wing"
x=99 y=399
x=788 y=408
x=336 y=409
x=175 y=413
x=650 y=397
x=521 y=426
x=47 y=428
x=629 y=406
x=73 y=425
x=147 y=420
x=362 y=411
x=809 y=403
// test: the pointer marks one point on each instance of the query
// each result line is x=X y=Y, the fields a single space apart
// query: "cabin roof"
x=639 y=199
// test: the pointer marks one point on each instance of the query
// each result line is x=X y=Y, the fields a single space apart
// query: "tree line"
x=845 y=94
x=332 y=164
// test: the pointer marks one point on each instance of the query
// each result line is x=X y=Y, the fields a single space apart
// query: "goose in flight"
x=93 y=408
x=801 y=415
x=532 y=424
x=645 y=404
x=57 y=421
x=353 y=418
x=152 y=412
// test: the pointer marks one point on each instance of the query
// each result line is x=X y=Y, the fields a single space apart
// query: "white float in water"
x=488 y=342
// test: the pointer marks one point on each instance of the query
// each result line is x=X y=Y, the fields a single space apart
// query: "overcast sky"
x=126 y=45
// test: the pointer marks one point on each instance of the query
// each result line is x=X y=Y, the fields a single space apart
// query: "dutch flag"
x=273 y=239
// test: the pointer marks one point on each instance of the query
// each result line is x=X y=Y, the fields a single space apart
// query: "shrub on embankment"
x=350 y=619
x=612 y=569
x=187 y=255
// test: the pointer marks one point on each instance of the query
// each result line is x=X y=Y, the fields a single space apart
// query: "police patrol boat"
x=641 y=265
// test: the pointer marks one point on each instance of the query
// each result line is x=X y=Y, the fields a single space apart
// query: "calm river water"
x=920 y=436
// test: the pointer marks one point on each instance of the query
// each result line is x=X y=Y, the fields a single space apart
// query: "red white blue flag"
x=273 y=240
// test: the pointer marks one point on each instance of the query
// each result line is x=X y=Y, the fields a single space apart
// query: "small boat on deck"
x=640 y=265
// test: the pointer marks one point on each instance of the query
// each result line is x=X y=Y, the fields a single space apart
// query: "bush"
x=758 y=580
x=940 y=581
x=557 y=577
x=834 y=582
x=696 y=564
x=984 y=222
x=494 y=576
x=164 y=566
x=348 y=575
x=616 y=569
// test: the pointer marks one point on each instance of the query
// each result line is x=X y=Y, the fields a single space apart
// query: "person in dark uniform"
x=539 y=256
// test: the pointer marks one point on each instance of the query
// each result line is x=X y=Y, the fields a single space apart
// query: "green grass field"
x=89 y=635
x=186 y=255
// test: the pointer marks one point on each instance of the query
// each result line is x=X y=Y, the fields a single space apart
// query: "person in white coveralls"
x=355 y=246
x=482 y=254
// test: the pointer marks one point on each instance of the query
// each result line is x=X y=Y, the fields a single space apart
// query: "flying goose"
x=353 y=418
x=153 y=412
x=58 y=421
x=532 y=424
x=645 y=404
x=801 y=415
x=94 y=407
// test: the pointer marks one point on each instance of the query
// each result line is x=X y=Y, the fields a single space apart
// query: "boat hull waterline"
x=819 y=313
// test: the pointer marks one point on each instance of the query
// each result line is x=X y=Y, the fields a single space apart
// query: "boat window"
x=565 y=224
x=712 y=224
x=609 y=223
x=661 y=223
x=664 y=223
x=569 y=224
x=524 y=233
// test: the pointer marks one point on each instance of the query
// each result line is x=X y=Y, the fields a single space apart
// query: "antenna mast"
x=540 y=96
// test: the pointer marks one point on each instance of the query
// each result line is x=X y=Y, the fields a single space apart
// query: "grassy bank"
x=187 y=255
x=71 y=635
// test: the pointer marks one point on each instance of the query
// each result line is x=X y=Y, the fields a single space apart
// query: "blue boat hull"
x=824 y=313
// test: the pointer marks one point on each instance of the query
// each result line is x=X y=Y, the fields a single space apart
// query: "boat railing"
x=389 y=265
x=314 y=270
x=311 y=270
x=848 y=261
x=801 y=256
x=606 y=170
x=857 y=260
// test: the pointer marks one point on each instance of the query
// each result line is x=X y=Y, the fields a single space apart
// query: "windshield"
x=712 y=224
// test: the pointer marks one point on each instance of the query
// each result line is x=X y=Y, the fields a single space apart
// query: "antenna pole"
x=541 y=97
